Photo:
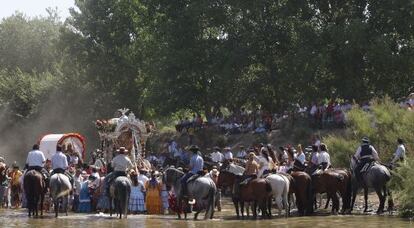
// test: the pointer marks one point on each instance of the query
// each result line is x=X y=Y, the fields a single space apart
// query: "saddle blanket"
x=235 y=169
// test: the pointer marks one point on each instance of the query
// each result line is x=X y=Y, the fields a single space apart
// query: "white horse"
x=280 y=191
x=60 y=188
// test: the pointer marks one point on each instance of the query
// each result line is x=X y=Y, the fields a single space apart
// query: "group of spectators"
x=326 y=114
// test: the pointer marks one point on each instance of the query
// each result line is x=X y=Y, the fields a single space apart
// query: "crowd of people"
x=322 y=114
x=149 y=194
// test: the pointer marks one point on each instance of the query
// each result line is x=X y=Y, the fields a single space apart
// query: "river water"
x=224 y=219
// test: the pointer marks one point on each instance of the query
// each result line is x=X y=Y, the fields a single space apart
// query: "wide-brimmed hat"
x=241 y=146
x=194 y=148
x=214 y=171
x=15 y=165
x=227 y=148
x=122 y=150
x=365 y=140
x=217 y=148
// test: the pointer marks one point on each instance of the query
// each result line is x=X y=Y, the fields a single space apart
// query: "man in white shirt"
x=60 y=164
x=120 y=164
x=36 y=160
x=59 y=161
x=242 y=153
x=228 y=155
x=217 y=156
x=399 y=154
x=324 y=159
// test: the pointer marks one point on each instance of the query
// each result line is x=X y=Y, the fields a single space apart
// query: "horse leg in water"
x=335 y=202
x=236 y=206
x=242 y=208
x=269 y=206
x=327 y=202
x=211 y=202
x=382 y=197
x=56 y=205
x=110 y=206
x=390 y=200
x=254 y=209
x=366 y=199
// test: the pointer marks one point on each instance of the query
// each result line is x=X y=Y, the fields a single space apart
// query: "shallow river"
x=225 y=219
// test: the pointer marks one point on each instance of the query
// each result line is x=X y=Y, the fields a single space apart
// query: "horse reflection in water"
x=202 y=189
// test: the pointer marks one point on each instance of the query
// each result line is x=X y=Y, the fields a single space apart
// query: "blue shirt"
x=196 y=164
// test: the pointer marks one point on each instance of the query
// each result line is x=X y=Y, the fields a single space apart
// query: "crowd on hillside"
x=330 y=114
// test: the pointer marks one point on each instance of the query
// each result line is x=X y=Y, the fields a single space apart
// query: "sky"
x=33 y=8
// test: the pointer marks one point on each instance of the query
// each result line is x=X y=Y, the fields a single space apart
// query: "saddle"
x=367 y=166
x=193 y=178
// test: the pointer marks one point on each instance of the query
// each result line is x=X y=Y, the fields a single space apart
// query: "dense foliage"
x=160 y=57
x=383 y=124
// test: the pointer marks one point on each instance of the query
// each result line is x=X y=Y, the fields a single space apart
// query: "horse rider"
x=251 y=170
x=242 y=153
x=228 y=155
x=399 y=154
x=365 y=153
x=60 y=163
x=120 y=165
x=217 y=156
x=324 y=160
x=300 y=159
x=36 y=161
x=195 y=168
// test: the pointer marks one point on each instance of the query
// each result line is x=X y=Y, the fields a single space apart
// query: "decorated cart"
x=48 y=143
x=123 y=131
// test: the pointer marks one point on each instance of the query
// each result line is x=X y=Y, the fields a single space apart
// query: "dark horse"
x=257 y=191
x=120 y=191
x=375 y=177
x=302 y=187
x=34 y=188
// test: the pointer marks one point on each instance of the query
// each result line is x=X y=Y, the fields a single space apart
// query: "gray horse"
x=60 y=188
x=376 y=177
x=119 y=192
x=202 y=189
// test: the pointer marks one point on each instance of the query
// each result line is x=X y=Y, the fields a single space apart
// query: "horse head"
x=171 y=176
x=225 y=179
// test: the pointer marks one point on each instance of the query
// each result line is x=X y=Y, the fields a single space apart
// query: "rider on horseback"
x=196 y=167
x=365 y=154
x=36 y=161
x=324 y=160
x=60 y=163
x=120 y=164
x=252 y=169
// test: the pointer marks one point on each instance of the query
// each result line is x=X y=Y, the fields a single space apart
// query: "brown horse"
x=256 y=191
x=302 y=187
x=328 y=182
x=345 y=189
x=34 y=188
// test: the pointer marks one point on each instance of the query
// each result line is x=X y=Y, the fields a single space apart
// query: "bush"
x=402 y=185
x=383 y=124
x=340 y=150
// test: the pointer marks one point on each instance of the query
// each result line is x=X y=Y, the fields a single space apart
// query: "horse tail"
x=211 y=202
x=310 y=196
x=268 y=186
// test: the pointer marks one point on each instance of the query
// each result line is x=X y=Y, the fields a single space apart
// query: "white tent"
x=49 y=142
